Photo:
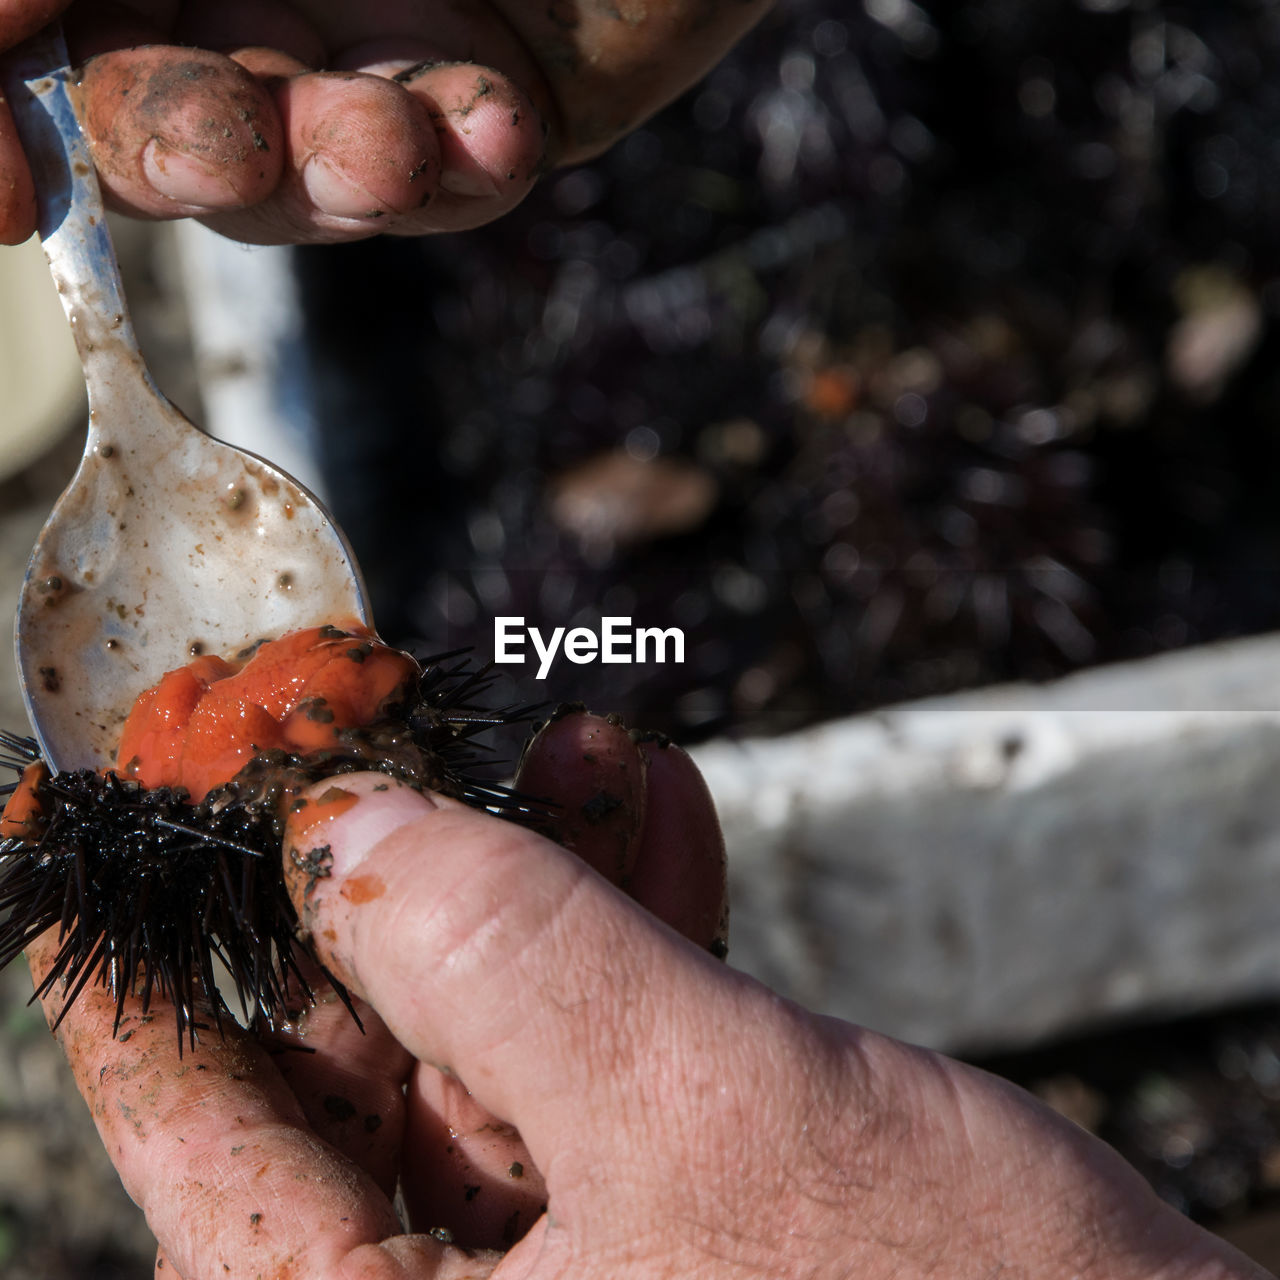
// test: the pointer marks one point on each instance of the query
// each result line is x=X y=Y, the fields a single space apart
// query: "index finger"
x=213 y=1146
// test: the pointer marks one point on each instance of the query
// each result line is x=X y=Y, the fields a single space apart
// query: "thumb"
x=494 y=954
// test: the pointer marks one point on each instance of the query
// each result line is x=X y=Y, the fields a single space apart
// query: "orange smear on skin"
x=361 y=889
x=201 y=724
x=311 y=815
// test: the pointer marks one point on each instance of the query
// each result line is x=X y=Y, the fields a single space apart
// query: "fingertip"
x=464 y=1169
x=331 y=829
x=491 y=138
x=360 y=146
x=349 y=1080
x=180 y=131
x=590 y=769
x=270 y=66
x=638 y=811
x=680 y=866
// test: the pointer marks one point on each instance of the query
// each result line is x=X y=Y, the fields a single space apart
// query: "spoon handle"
x=40 y=87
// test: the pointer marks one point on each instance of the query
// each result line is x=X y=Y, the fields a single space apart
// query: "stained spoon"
x=166 y=543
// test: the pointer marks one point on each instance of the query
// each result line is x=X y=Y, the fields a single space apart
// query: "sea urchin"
x=153 y=870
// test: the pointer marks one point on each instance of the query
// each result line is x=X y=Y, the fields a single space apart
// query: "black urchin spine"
x=147 y=889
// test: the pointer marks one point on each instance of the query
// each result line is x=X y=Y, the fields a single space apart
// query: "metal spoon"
x=166 y=543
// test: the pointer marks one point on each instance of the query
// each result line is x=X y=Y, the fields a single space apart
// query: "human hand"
x=183 y=1129
x=316 y=121
x=679 y=1118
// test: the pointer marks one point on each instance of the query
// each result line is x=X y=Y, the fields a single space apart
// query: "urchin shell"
x=149 y=891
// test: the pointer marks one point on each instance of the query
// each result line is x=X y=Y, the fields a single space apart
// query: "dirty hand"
x=247 y=1152
x=680 y=1119
x=314 y=120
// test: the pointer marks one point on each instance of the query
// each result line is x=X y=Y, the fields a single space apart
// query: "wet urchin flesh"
x=149 y=889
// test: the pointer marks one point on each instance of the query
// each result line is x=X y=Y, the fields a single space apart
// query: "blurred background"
x=923 y=348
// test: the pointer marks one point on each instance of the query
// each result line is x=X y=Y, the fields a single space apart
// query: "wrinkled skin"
x=356 y=1111
x=283 y=122
x=675 y=1118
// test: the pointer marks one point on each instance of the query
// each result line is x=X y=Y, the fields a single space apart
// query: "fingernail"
x=347 y=816
x=398 y=69
x=180 y=176
x=407 y=74
x=594 y=776
x=331 y=191
x=473 y=183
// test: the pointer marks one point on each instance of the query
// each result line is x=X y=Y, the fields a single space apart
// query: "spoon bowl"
x=166 y=543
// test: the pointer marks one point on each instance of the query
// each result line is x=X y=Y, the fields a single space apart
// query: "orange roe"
x=22 y=817
x=203 y=722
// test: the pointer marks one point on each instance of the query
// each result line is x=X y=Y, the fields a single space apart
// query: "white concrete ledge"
x=992 y=868
x=246 y=329
x=979 y=870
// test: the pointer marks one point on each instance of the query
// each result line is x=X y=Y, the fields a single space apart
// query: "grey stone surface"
x=990 y=869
